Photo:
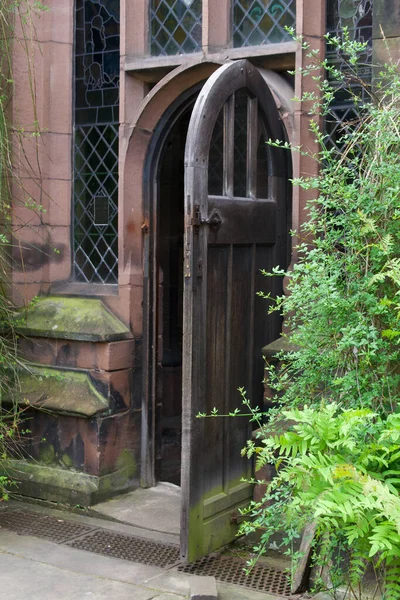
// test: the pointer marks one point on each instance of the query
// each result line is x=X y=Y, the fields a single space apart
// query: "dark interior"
x=170 y=291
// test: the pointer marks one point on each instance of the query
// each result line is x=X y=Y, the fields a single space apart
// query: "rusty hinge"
x=186 y=269
x=145 y=226
x=237 y=517
x=214 y=220
x=196 y=220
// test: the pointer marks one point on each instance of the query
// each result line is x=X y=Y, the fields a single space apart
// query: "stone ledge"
x=56 y=484
x=68 y=392
x=282 y=344
x=72 y=318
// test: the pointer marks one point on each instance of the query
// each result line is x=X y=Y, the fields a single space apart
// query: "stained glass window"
x=175 y=26
x=257 y=22
x=96 y=141
x=356 y=16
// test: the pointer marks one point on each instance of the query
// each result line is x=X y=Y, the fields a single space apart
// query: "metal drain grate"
x=43 y=526
x=230 y=570
x=127 y=547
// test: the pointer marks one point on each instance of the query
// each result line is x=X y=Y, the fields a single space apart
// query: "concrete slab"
x=74 y=560
x=171 y=581
x=22 y=578
x=155 y=509
x=226 y=591
x=203 y=588
x=41 y=570
x=99 y=521
x=168 y=597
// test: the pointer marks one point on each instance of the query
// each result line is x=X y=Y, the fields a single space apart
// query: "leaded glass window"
x=96 y=141
x=175 y=26
x=356 y=16
x=239 y=160
x=257 y=22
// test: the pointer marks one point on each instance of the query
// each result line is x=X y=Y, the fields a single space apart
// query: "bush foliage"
x=338 y=456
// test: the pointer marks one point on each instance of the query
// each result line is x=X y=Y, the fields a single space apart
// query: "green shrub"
x=338 y=458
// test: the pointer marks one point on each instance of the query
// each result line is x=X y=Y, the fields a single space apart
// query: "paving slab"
x=203 y=588
x=32 y=568
x=74 y=560
x=22 y=578
x=171 y=581
x=226 y=591
x=155 y=509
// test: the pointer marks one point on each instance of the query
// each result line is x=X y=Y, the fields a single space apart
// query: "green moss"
x=67 y=461
x=73 y=318
x=59 y=484
x=70 y=392
x=126 y=464
x=47 y=454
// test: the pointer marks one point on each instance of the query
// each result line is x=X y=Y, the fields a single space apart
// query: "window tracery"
x=96 y=120
x=258 y=22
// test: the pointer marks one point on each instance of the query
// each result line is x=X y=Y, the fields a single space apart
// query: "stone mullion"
x=217 y=24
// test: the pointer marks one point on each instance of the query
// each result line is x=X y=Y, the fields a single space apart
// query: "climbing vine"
x=17 y=33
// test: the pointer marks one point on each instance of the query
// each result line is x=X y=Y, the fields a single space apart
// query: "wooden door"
x=236 y=222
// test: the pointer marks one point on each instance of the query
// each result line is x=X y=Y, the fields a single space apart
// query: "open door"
x=237 y=221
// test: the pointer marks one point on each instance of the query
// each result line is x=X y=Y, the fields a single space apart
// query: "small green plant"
x=334 y=434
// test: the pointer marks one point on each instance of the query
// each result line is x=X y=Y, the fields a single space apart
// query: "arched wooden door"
x=237 y=221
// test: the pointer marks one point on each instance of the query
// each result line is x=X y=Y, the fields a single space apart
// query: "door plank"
x=227 y=241
x=244 y=221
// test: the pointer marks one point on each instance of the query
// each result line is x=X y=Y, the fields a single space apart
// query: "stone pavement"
x=36 y=569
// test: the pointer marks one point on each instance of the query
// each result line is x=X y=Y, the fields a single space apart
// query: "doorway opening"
x=169 y=260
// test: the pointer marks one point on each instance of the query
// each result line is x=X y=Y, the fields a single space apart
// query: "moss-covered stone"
x=73 y=319
x=68 y=486
x=68 y=392
x=47 y=454
x=126 y=463
x=67 y=461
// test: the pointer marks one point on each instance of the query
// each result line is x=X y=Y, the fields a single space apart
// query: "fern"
x=392 y=581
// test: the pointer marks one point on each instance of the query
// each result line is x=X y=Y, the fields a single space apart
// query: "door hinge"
x=214 y=220
x=237 y=517
x=145 y=226
x=187 y=263
x=196 y=220
x=199 y=272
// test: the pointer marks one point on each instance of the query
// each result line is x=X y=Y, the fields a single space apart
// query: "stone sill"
x=62 y=391
x=96 y=290
x=282 y=344
x=72 y=318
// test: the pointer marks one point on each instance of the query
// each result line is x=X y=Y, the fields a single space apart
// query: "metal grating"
x=108 y=543
x=175 y=26
x=231 y=570
x=43 y=526
x=127 y=547
x=257 y=22
x=96 y=140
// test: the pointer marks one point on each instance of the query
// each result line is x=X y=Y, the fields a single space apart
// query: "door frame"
x=151 y=194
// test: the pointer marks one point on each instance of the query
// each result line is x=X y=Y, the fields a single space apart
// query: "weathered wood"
x=277 y=52
x=301 y=574
x=227 y=241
